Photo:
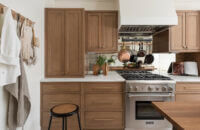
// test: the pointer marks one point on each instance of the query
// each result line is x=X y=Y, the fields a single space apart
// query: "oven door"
x=140 y=113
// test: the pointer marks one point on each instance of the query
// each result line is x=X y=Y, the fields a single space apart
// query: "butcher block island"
x=183 y=115
x=101 y=101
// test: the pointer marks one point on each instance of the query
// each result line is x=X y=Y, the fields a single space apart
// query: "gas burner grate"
x=141 y=75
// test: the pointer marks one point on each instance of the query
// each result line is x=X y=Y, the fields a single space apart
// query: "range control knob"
x=135 y=89
x=150 y=89
x=164 y=89
x=170 y=89
x=157 y=89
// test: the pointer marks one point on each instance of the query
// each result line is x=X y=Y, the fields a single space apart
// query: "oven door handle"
x=153 y=95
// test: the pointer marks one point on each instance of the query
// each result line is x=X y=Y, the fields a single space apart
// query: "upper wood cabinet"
x=192 y=31
x=101 y=31
x=181 y=38
x=177 y=34
x=64 y=45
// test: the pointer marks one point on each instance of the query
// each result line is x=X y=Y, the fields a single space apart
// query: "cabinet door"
x=109 y=31
x=74 y=43
x=54 y=43
x=177 y=34
x=93 y=31
x=192 y=31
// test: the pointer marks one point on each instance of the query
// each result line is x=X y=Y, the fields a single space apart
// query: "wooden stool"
x=63 y=111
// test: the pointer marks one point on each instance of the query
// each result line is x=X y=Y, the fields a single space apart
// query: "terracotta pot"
x=96 y=69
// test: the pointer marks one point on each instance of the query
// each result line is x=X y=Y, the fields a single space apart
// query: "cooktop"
x=141 y=75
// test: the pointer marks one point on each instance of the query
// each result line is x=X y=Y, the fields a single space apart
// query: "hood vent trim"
x=141 y=30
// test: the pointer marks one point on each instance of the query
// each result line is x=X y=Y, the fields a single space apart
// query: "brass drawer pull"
x=189 y=88
x=103 y=119
x=99 y=88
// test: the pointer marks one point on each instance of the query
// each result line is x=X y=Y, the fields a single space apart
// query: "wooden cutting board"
x=151 y=68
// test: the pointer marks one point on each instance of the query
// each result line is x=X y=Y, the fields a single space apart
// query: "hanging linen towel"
x=26 y=40
x=19 y=104
x=10 y=47
x=36 y=41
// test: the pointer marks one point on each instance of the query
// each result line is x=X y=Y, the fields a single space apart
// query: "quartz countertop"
x=111 y=77
x=184 y=78
x=179 y=78
x=115 y=77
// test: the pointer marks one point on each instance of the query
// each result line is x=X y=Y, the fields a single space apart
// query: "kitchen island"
x=183 y=116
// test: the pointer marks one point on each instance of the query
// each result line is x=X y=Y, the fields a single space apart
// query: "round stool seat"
x=64 y=110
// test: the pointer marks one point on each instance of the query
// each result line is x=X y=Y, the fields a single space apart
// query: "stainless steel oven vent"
x=141 y=30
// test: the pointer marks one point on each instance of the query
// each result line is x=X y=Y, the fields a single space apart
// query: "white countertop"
x=111 y=77
x=115 y=77
x=184 y=78
x=178 y=78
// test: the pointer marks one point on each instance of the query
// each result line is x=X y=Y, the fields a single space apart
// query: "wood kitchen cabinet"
x=57 y=93
x=177 y=34
x=104 y=106
x=64 y=44
x=101 y=31
x=101 y=104
x=181 y=38
x=188 y=92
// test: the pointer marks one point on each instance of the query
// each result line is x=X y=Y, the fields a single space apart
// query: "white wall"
x=187 y=4
x=32 y=9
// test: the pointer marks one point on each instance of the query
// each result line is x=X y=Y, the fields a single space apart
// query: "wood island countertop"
x=183 y=116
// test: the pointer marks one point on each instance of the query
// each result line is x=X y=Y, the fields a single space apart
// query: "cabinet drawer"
x=104 y=120
x=103 y=102
x=104 y=87
x=52 y=88
x=187 y=87
x=57 y=122
x=48 y=101
x=188 y=97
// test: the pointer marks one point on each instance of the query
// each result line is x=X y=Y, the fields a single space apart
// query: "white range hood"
x=150 y=15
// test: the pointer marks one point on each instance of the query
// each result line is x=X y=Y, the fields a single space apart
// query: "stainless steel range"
x=143 y=88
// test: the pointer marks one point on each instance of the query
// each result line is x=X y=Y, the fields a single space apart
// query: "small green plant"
x=101 y=60
x=110 y=61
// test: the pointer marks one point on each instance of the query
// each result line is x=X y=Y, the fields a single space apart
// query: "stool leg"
x=50 y=123
x=64 y=124
x=79 y=122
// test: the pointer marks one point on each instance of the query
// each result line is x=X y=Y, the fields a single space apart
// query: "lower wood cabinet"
x=103 y=120
x=188 y=92
x=57 y=93
x=101 y=104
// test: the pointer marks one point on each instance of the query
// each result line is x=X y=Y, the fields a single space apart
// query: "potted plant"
x=102 y=65
x=98 y=68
